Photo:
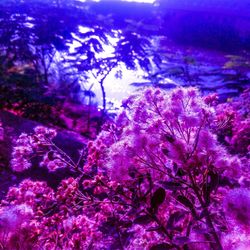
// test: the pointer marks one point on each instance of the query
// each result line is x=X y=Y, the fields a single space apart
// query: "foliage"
x=157 y=178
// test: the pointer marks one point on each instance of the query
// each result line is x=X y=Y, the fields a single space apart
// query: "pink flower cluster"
x=37 y=144
x=234 y=123
x=240 y=140
x=21 y=154
x=67 y=192
x=157 y=130
x=73 y=232
x=37 y=217
x=35 y=194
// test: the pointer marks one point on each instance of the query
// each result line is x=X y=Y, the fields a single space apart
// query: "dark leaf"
x=157 y=60
x=165 y=151
x=199 y=230
x=175 y=167
x=180 y=172
x=108 y=227
x=171 y=185
x=162 y=246
x=51 y=155
x=145 y=64
x=206 y=193
x=169 y=138
x=187 y=203
x=96 y=45
x=118 y=74
x=213 y=180
x=76 y=89
x=210 y=185
x=152 y=229
x=202 y=214
x=158 y=198
x=140 y=179
x=143 y=219
x=227 y=181
x=126 y=223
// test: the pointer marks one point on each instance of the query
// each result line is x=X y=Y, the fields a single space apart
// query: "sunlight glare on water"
x=116 y=89
x=138 y=1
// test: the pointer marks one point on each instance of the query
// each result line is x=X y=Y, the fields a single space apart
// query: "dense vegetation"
x=170 y=171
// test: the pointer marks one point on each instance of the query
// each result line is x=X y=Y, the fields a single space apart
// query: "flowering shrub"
x=156 y=178
x=233 y=119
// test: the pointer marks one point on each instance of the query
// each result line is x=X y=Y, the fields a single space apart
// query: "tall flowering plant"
x=156 y=178
x=163 y=149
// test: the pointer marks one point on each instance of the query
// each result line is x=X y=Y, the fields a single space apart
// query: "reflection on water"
x=118 y=82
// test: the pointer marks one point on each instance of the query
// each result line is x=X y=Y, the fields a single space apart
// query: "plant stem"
x=217 y=245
